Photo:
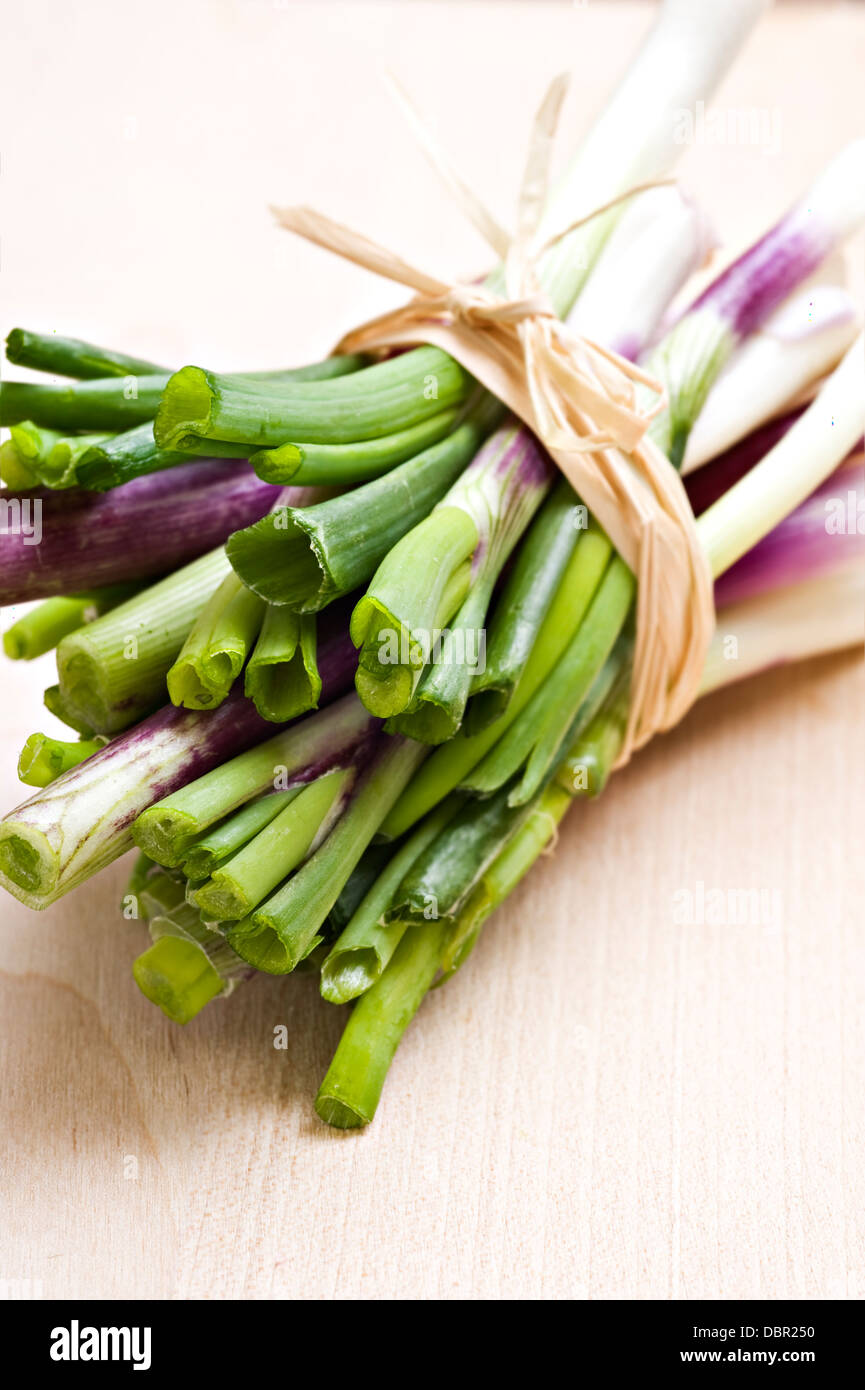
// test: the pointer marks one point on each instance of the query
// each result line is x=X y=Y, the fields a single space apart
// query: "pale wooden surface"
x=603 y=1103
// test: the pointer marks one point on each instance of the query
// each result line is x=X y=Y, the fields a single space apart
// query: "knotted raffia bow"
x=577 y=397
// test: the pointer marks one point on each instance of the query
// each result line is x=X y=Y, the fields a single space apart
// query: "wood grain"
x=604 y=1103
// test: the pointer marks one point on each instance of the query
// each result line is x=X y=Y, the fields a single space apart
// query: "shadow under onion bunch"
x=337 y=648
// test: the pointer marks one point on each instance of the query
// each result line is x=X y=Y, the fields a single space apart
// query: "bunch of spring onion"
x=341 y=649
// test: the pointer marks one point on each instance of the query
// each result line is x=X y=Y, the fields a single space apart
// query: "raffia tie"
x=578 y=398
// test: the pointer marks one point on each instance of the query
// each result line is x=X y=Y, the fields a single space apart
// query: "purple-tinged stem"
x=58 y=543
x=825 y=533
x=83 y=820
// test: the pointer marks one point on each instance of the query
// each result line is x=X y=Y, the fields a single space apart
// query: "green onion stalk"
x=47 y=352
x=107 y=404
x=38 y=457
x=449 y=766
x=237 y=888
x=43 y=759
x=350 y=1092
x=341 y=465
x=282 y=677
x=212 y=847
x=395 y=625
x=282 y=931
x=48 y=623
x=56 y=704
x=305 y=557
x=187 y=965
x=217 y=646
x=362 y=405
x=367 y=942
x=332 y=738
x=112 y=672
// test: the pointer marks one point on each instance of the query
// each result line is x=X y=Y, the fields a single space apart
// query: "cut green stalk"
x=213 y=654
x=525 y=598
x=177 y=976
x=363 y=949
x=448 y=766
x=394 y=623
x=342 y=465
x=33 y=443
x=106 y=404
x=288 y=925
x=495 y=769
x=538 y=739
x=212 y=848
x=236 y=888
x=499 y=493
x=46 y=352
x=441 y=877
x=328 y=739
x=375 y=401
x=592 y=756
x=501 y=877
x=306 y=557
x=47 y=624
x=188 y=965
x=113 y=671
x=282 y=678
x=60 y=469
x=351 y=1090
x=50 y=458
x=42 y=759
x=15 y=472
x=436 y=710
x=56 y=704
x=191 y=447
x=111 y=461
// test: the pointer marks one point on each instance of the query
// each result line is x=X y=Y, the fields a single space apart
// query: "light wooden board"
x=604 y=1103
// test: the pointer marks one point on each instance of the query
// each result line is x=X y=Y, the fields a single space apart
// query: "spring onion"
x=288 y=925
x=337 y=465
x=374 y=401
x=331 y=738
x=365 y=945
x=47 y=624
x=235 y=889
x=43 y=759
x=46 y=352
x=305 y=557
x=138 y=531
x=281 y=676
x=217 y=646
x=690 y=357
